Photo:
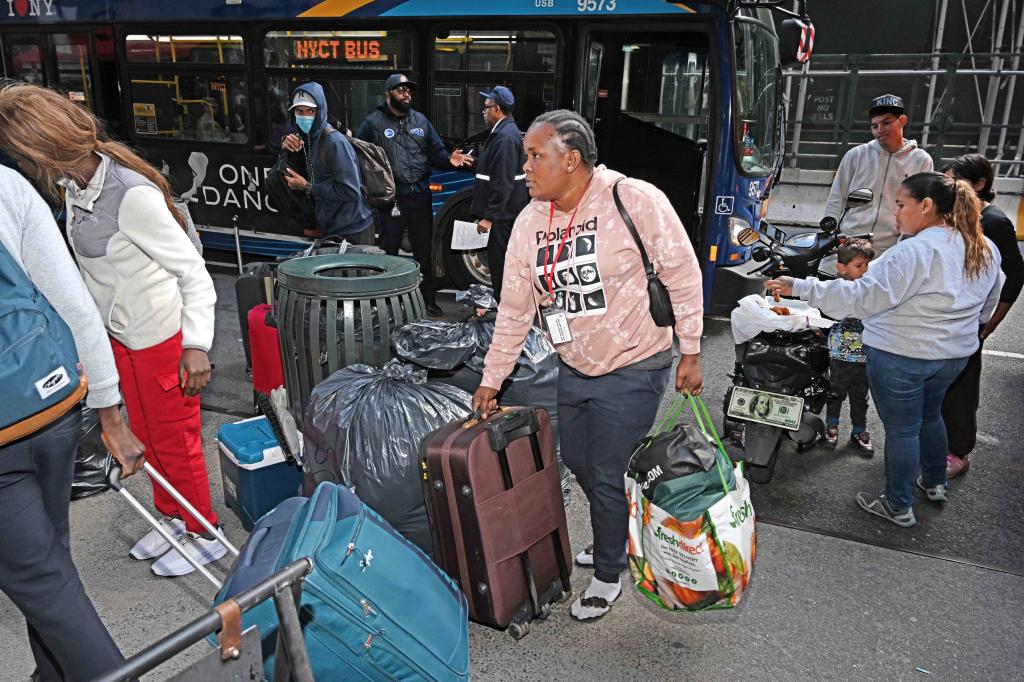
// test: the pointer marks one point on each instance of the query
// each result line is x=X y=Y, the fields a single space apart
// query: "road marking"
x=1003 y=354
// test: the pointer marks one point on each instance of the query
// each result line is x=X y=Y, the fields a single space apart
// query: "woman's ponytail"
x=126 y=157
x=957 y=203
x=965 y=218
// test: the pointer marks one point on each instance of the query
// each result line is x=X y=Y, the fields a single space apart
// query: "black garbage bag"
x=454 y=353
x=435 y=345
x=478 y=296
x=91 y=458
x=363 y=428
x=675 y=453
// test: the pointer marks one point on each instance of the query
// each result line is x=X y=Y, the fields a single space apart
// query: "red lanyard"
x=549 y=277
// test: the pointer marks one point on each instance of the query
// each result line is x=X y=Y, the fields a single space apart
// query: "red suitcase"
x=267 y=371
x=494 y=499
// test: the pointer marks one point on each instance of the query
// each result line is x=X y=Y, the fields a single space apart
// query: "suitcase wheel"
x=565 y=596
x=518 y=630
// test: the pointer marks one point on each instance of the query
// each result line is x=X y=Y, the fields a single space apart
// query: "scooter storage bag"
x=698 y=550
x=373 y=608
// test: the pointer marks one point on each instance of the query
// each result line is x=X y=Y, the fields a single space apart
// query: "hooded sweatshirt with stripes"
x=499 y=193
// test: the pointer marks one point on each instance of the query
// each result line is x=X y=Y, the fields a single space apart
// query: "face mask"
x=305 y=123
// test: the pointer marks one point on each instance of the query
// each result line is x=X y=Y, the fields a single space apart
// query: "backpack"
x=294 y=206
x=378 y=182
x=39 y=367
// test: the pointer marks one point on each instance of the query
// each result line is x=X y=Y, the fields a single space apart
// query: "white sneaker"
x=586 y=557
x=199 y=548
x=153 y=544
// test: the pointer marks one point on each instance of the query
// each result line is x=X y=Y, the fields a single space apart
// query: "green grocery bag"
x=702 y=560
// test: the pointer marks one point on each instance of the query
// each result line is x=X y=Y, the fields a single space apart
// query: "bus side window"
x=175 y=103
x=351 y=65
x=468 y=61
x=74 y=71
x=25 y=59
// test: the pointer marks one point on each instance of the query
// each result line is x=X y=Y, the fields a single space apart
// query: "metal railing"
x=955 y=104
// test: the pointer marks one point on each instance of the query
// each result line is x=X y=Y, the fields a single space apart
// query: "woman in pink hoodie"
x=572 y=256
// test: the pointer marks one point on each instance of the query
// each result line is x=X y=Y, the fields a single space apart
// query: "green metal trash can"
x=338 y=310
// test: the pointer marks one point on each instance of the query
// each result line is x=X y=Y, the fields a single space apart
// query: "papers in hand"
x=466 y=238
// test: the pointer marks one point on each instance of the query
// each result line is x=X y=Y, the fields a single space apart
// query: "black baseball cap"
x=887 y=104
x=396 y=79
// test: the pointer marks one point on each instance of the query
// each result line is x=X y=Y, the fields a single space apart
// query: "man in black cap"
x=880 y=165
x=413 y=147
x=499 y=193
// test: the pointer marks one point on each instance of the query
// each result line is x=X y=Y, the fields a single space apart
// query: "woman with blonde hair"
x=921 y=304
x=149 y=283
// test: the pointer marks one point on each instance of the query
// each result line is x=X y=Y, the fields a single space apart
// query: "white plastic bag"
x=753 y=316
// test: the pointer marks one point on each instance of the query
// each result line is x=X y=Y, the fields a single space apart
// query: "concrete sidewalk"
x=819 y=607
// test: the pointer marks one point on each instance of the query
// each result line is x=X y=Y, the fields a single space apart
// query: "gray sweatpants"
x=600 y=421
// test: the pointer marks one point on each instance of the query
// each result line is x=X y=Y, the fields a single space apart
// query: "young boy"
x=847 y=369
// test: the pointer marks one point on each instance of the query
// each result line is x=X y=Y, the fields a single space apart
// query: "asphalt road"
x=836 y=594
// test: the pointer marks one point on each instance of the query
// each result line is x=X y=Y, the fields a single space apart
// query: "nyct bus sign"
x=30 y=8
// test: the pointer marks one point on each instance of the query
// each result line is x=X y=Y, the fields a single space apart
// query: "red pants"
x=168 y=424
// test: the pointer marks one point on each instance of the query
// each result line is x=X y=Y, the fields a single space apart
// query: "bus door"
x=646 y=95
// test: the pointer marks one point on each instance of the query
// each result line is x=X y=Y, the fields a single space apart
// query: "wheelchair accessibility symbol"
x=723 y=205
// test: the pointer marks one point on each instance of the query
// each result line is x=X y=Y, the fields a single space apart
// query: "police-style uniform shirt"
x=499 y=192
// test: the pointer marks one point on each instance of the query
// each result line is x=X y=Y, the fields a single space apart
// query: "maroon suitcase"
x=494 y=499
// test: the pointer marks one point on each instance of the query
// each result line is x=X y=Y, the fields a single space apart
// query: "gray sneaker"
x=878 y=506
x=935 y=493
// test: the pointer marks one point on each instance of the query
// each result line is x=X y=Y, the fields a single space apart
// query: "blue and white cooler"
x=253 y=468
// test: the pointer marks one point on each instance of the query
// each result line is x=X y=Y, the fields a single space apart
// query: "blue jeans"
x=908 y=395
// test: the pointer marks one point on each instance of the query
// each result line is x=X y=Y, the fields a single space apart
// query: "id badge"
x=557 y=323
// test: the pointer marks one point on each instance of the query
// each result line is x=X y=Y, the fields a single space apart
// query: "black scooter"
x=780 y=376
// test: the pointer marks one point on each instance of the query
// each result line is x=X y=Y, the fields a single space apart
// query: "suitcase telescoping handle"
x=504 y=427
x=511 y=425
x=114 y=481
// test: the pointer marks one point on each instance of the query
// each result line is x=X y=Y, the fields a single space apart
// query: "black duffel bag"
x=363 y=428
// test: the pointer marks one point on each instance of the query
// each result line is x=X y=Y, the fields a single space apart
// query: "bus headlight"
x=735 y=226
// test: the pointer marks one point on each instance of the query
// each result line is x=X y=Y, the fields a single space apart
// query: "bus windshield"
x=757 y=66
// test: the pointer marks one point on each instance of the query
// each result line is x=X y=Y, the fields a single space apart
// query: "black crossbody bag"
x=661 y=304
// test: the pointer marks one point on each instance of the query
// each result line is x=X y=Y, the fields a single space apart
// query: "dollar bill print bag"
x=692 y=537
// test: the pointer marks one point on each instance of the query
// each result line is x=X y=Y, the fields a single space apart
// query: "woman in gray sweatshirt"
x=921 y=304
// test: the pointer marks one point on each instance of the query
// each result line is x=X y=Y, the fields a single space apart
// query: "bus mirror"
x=748 y=236
x=860 y=197
x=796 y=41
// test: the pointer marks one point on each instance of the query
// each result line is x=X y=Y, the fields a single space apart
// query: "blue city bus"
x=685 y=95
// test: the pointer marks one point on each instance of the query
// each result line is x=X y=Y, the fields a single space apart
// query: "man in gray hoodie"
x=880 y=165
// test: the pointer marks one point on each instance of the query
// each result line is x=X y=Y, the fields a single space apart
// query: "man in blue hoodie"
x=332 y=169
